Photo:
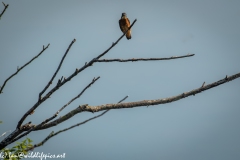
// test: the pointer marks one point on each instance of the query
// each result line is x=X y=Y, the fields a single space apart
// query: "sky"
x=204 y=126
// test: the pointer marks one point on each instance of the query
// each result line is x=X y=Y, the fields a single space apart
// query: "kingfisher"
x=124 y=24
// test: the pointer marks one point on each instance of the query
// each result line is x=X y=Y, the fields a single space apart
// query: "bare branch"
x=40 y=100
x=63 y=130
x=52 y=134
x=30 y=127
x=157 y=101
x=69 y=115
x=143 y=59
x=90 y=63
x=5 y=7
x=54 y=75
x=19 y=69
x=79 y=95
x=41 y=143
x=87 y=108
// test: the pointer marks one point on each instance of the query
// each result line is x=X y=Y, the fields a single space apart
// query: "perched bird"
x=124 y=24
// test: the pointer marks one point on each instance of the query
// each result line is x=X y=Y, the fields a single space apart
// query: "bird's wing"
x=121 y=25
x=128 y=23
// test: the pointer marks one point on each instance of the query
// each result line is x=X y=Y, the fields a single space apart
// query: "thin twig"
x=203 y=84
x=123 y=99
x=19 y=69
x=5 y=7
x=41 y=143
x=89 y=85
x=52 y=134
x=143 y=59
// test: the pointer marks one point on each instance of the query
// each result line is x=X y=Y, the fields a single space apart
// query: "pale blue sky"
x=205 y=126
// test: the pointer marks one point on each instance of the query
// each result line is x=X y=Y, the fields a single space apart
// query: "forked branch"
x=30 y=127
x=52 y=134
x=79 y=95
x=54 y=75
x=40 y=100
x=5 y=7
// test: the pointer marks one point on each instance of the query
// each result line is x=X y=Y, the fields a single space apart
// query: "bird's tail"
x=128 y=35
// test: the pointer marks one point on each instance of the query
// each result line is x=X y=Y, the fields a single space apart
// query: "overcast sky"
x=204 y=126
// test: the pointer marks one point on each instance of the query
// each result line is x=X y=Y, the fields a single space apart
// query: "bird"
x=124 y=24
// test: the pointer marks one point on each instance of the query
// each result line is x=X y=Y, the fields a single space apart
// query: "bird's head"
x=124 y=15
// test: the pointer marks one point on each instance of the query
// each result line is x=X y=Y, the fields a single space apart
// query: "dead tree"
x=23 y=129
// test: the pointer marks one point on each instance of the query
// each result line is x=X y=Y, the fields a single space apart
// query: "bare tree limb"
x=79 y=95
x=5 y=7
x=61 y=83
x=31 y=110
x=54 y=75
x=158 y=101
x=43 y=127
x=143 y=59
x=52 y=134
x=19 y=69
x=29 y=127
x=87 y=108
